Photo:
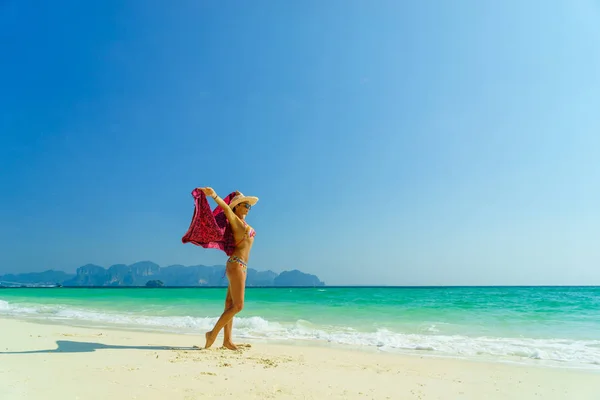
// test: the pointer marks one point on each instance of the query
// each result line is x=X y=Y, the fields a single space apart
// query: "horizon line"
x=305 y=287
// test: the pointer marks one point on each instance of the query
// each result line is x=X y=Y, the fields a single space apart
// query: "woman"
x=236 y=267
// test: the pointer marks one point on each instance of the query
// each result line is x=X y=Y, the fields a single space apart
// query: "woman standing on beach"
x=236 y=268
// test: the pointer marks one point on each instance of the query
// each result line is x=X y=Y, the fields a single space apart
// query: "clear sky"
x=389 y=142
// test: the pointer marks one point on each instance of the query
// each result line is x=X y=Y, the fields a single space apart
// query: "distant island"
x=149 y=274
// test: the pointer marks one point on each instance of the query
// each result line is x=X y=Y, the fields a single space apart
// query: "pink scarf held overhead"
x=209 y=228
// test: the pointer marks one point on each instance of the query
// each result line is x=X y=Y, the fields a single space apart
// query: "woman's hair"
x=237 y=193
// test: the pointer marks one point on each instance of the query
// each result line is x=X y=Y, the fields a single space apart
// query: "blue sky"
x=401 y=143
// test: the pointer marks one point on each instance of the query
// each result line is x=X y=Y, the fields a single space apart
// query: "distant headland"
x=150 y=274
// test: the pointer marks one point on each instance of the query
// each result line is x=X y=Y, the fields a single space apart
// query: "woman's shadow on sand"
x=67 y=346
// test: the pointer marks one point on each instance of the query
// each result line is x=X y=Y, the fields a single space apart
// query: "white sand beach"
x=46 y=362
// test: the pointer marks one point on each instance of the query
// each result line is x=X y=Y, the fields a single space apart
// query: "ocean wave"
x=566 y=351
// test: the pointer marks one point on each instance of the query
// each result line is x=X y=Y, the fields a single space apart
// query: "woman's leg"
x=228 y=326
x=237 y=277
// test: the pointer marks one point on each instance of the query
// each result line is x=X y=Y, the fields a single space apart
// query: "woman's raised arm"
x=233 y=219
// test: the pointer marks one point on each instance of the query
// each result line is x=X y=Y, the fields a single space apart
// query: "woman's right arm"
x=233 y=219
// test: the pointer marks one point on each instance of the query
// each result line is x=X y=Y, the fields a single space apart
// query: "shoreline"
x=502 y=359
x=321 y=344
x=58 y=361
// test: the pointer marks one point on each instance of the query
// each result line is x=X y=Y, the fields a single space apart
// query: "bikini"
x=235 y=259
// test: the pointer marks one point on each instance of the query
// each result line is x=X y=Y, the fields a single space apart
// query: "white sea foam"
x=566 y=351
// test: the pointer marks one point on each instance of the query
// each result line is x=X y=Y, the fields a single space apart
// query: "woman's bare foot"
x=230 y=345
x=209 y=339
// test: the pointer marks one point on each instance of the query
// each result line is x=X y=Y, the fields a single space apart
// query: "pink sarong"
x=210 y=228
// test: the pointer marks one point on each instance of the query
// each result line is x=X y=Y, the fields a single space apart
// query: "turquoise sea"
x=548 y=325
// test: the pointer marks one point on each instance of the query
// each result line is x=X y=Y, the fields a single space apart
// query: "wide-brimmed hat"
x=240 y=198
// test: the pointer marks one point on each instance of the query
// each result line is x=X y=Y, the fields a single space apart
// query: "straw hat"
x=240 y=198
